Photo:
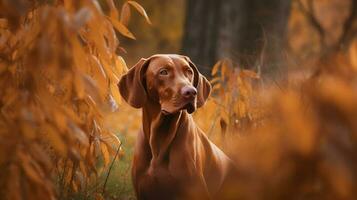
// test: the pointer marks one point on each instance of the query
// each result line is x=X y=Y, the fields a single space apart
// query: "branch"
x=310 y=14
x=348 y=31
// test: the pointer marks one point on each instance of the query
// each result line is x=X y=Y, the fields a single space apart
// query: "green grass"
x=119 y=185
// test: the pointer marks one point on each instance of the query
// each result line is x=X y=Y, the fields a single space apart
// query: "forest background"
x=283 y=105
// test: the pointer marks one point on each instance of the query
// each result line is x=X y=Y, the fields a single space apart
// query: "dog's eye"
x=163 y=72
x=189 y=71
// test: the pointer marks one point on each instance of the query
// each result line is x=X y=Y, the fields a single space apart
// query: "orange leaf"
x=125 y=14
x=249 y=74
x=56 y=140
x=215 y=68
x=122 y=29
x=215 y=80
x=105 y=154
x=115 y=92
x=113 y=10
x=216 y=86
x=140 y=9
x=29 y=169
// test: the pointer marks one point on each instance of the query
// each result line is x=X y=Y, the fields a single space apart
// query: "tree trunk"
x=200 y=34
x=236 y=29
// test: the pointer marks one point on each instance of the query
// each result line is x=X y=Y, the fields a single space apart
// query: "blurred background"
x=269 y=36
x=287 y=44
x=283 y=103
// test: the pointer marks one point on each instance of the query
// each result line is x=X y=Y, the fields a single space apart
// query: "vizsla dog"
x=173 y=158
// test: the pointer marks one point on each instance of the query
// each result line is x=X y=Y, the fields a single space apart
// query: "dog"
x=173 y=158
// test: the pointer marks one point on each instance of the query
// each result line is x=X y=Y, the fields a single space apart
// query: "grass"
x=119 y=185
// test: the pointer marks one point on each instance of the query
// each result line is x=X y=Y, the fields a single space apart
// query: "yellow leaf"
x=78 y=85
x=71 y=115
x=241 y=109
x=115 y=139
x=115 y=92
x=79 y=134
x=60 y=121
x=99 y=75
x=96 y=147
x=108 y=68
x=79 y=54
x=113 y=10
x=105 y=154
x=214 y=80
x=216 y=86
x=112 y=142
x=215 y=68
x=224 y=68
x=28 y=168
x=120 y=65
x=125 y=14
x=140 y=9
x=122 y=29
x=56 y=140
x=249 y=74
x=74 y=186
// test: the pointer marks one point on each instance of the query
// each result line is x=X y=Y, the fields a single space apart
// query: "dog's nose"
x=188 y=92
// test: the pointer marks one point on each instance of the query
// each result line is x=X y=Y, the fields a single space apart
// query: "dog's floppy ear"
x=200 y=82
x=131 y=84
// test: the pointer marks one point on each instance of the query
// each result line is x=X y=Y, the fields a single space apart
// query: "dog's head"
x=173 y=81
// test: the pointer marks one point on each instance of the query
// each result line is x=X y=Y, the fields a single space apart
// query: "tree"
x=246 y=31
x=348 y=26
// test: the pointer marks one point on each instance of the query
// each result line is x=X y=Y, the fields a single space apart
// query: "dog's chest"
x=164 y=182
x=159 y=183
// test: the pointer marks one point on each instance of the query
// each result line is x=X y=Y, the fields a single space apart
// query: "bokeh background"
x=284 y=43
x=283 y=104
x=274 y=35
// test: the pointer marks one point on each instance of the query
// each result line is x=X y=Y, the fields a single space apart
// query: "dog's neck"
x=161 y=130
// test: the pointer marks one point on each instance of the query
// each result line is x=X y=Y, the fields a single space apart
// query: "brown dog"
x=173 y=158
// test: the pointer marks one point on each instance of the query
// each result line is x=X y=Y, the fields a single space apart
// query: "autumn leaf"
x=249 y=74
x=122 y=29
x=105 y=154
x=125 y=14
x=215 y=68
x=140 y=9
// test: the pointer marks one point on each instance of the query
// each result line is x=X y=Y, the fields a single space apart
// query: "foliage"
x=59 y=66
x=293 y=140
x=299 y=141
x=58 y=74
x=233 y=105
x=307 y=148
